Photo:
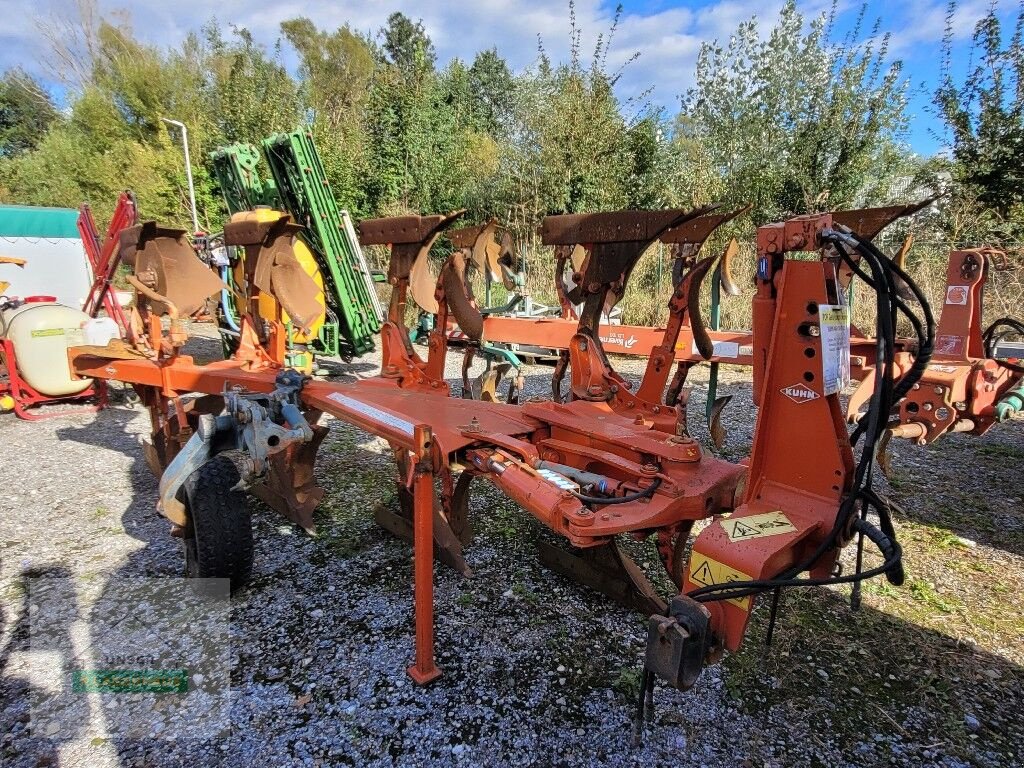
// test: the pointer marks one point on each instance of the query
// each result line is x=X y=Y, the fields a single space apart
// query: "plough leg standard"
x=586 y=469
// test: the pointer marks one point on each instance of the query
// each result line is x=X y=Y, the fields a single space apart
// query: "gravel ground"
x=537 y=670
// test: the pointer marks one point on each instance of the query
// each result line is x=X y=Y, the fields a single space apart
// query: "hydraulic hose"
x=887 y=546
x=995 y=333
x=645 y=493
x=225 y=302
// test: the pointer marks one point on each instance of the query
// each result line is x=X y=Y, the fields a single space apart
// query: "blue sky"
x=666 y=33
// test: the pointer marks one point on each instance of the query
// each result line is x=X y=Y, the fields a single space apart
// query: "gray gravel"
x=537 y=670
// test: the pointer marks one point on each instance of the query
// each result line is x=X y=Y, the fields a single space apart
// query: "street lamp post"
x=188 y=170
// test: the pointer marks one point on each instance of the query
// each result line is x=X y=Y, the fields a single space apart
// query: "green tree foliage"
x=790 y=118
x=336 y=74
x=573 y=147
x=408 y=47
x=336 y=70
x=26 y=112
x=491 y=90
x=253 y=94
x=89 y=157
x=223 y=90
x=985 y=115
x=791 y=121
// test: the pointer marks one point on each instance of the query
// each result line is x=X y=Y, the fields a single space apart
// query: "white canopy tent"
x=48 y=240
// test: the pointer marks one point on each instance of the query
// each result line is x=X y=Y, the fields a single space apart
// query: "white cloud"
x=667 y=38
x=927 y=25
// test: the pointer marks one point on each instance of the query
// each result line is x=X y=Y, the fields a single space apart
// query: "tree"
x=793 y=122
x=571 y=148
x=72 y=43
x=491 y=86
x=252 y=93
x=985 y=115
x=336 y=74
x=336 y=69
x=413 y=138
x=26 y=113
x=408 y=46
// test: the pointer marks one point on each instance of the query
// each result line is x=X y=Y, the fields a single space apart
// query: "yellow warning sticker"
x=705 y=572
x=757 y=526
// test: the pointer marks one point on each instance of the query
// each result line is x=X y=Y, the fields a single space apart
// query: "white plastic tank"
x=99 y=331
x=41 y=331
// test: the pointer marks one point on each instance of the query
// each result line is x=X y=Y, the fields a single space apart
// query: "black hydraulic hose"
x=991 y=338
x=645 y=493
x=889 y=548
x=926 y=347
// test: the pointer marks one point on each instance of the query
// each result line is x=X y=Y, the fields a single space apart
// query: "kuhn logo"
x=798 y=393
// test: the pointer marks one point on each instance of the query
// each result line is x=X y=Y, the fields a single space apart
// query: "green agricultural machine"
x=326 y=245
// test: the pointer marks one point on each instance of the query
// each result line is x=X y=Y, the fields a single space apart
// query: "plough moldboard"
x=612 y=460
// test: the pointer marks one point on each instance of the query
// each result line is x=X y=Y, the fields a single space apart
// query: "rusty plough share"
x=611 y=461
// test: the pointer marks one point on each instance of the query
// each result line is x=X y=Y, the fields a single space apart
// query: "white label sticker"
x=74 y=337
x=372 y=412
x=722 y=349
x=956 y=294
x=835 y=348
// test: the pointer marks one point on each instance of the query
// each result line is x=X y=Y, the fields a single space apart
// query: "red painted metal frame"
x=801 y=471
x=957 y=393
x=424 y=670
x=105 y=258
x=960 y=388
x=26 y=398
x=633 y=340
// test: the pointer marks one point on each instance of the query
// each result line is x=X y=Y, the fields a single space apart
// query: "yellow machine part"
x=267 y=307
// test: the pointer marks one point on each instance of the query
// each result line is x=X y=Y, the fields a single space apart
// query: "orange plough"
x=610 y=462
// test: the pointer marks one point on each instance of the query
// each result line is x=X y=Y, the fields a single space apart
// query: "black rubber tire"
x=221 y=544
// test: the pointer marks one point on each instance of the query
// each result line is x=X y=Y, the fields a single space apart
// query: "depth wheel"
x=219 y=543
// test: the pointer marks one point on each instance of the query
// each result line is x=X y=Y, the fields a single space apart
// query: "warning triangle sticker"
x=703 y=575
x=757 y=526
x=741 y=530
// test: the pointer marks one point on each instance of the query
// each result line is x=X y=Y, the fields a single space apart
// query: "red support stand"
x=25 y=397
x=424 y=670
